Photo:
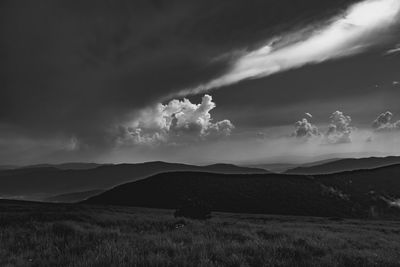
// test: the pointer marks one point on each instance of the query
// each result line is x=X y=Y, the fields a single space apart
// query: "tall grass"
x=69 y=235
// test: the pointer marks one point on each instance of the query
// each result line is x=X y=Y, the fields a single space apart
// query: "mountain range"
x=347 y=164
x=42 y=182
x=367 y=187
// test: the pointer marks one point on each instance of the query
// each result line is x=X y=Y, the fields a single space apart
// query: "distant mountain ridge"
x=37 y=183
x=68 y=166
x=61 y=166
x=347 y=164
x=365 y=193
x=7 y=167
x=283 y=167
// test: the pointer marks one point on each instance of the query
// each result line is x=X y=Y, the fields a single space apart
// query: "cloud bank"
x=339 y=129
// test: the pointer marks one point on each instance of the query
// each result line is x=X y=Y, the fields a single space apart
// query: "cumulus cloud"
x=384 y=122
x=177 y=121
x=339 y=130
x=304 y=129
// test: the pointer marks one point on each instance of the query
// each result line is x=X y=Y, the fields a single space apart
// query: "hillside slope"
x=344 y=195
x=72 y=197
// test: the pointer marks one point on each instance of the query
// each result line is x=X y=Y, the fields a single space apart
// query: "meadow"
x=34 y=234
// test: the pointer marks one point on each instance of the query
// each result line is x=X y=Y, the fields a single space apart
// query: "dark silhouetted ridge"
x=341 y=165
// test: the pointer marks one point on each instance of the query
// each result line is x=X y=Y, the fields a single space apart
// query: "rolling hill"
x=72 y=197
x=347 y=194
x=38 y=183
x=7 y=167
x=347 y=164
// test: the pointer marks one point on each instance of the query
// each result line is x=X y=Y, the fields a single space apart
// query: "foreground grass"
x=71 y=235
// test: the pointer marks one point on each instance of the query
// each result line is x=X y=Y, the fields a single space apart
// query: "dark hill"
x=378 y=189
x=383 y=181
x=26 y=171
x=283 y=167
x=272 y=193
x=8 y=167
x=42 y=182
x=343 y=195
x=341 y=165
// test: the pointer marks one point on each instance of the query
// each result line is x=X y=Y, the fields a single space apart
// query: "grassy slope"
x=71 y=235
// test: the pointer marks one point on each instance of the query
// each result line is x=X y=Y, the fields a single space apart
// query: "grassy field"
x=71 y=235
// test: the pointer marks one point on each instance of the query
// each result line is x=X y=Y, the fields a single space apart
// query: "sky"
x=198 y=82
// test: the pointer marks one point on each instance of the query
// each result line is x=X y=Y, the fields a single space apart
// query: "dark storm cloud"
x=75 y=68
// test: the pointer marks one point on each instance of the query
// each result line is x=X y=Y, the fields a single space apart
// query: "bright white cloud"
x=394 y=50
x=304 y=129
x=176 y=121
x=372 y=13
x=340 y=128
x=384 y=122
x=355 y=31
